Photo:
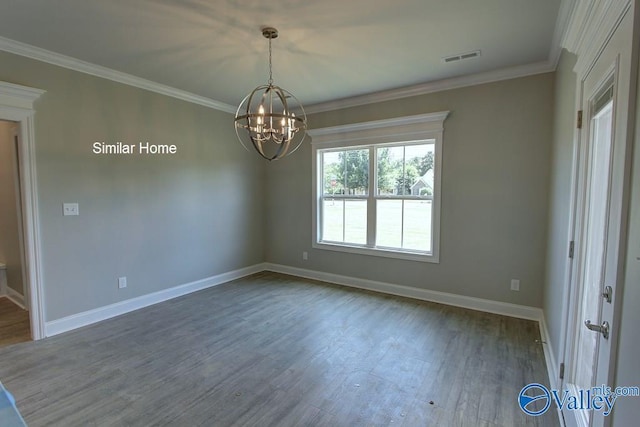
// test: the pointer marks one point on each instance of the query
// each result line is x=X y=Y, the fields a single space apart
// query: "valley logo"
x=535 y=399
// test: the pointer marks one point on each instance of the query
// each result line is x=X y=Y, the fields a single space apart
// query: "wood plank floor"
x=274 y=350
x=14 y=323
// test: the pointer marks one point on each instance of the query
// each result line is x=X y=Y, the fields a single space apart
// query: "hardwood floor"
x=274 y=350
x=14 y=323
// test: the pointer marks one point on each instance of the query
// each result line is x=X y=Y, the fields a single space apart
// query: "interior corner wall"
x=495 y=180
x=159 y=220
x=560 y=198
x=9 y=221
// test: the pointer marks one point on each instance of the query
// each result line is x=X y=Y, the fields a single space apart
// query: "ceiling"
x=327 y=50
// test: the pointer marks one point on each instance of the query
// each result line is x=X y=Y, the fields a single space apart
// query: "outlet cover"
x=122 y=282
x=70 y=209
x=305 y=256
x=515 y=284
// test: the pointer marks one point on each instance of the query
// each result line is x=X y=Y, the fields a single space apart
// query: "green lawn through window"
x=412 y=232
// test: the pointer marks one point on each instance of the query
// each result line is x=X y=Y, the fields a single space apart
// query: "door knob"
x=603 y=329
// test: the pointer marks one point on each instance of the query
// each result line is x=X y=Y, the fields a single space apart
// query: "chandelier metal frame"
x=266 y=117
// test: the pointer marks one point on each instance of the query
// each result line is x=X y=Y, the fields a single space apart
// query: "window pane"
x=346 y=172
x=344 y=221
x=418 y=170
x=332 y=220
x=417 y=225
x=355 y=218
x=389 y=223
x=357 y=171
x=405 y=170
x=389 y=162
x=332 y=170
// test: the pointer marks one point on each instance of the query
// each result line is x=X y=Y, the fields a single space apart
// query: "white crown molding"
x=435 y=86
x=591 y=23
x=70 y=63
x=488 y=306
x=560 y=31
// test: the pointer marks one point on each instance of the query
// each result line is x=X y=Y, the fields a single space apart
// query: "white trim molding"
x=591 y=24
x=15 y=297
x=89 y=317
x=3 y=280
x=85 y=318
x=550 y=360
x=39 y=54
x=435 y=86
x=560 y=31
x=16 y=104
x=549 y=354
x=74 y=64
x=404 y=128
x=366 y=135
x=485 y=305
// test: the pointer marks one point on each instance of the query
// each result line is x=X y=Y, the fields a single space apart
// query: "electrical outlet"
x=515 y=284
x=70 y=209
x=122 y=282
x=305 y=256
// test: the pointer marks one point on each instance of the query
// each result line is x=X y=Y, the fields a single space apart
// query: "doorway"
x=602 y=181
x=14 y=317
x=16 y=105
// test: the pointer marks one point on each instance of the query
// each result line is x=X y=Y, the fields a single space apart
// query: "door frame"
x=16 y=141
x=588 y=44
x=16 y=105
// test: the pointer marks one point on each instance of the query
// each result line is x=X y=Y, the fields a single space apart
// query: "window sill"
x=379 y=252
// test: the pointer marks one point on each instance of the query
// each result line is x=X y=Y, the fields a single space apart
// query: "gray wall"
x=9 y=224
x=560 y=198
x=161 y=221
x=494 y=194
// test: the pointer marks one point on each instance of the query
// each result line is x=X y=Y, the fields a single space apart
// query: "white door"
x=599 y=234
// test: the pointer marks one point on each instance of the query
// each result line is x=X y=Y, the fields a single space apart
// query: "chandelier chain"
x=270 y=66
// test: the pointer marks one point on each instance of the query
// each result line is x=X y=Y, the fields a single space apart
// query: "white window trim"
x=397 y=130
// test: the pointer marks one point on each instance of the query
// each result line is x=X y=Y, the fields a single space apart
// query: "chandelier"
x=266 y=118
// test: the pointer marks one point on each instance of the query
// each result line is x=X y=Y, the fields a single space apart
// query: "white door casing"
x=604 y=254
x=16 y=104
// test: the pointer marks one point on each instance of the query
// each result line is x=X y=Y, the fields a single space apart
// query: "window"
x=377 y=187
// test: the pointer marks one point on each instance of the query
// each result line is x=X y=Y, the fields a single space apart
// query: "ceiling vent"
x=461 y=56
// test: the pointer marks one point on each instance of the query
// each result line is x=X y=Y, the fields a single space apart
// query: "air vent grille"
x=461 y=56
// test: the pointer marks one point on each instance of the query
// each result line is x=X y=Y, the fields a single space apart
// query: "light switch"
x=70 y=209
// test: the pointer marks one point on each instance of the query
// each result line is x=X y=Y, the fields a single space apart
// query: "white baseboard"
x=15 y=297
x=503 y=308
x=550 y=359
x=69 y=323
x=549 y=354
